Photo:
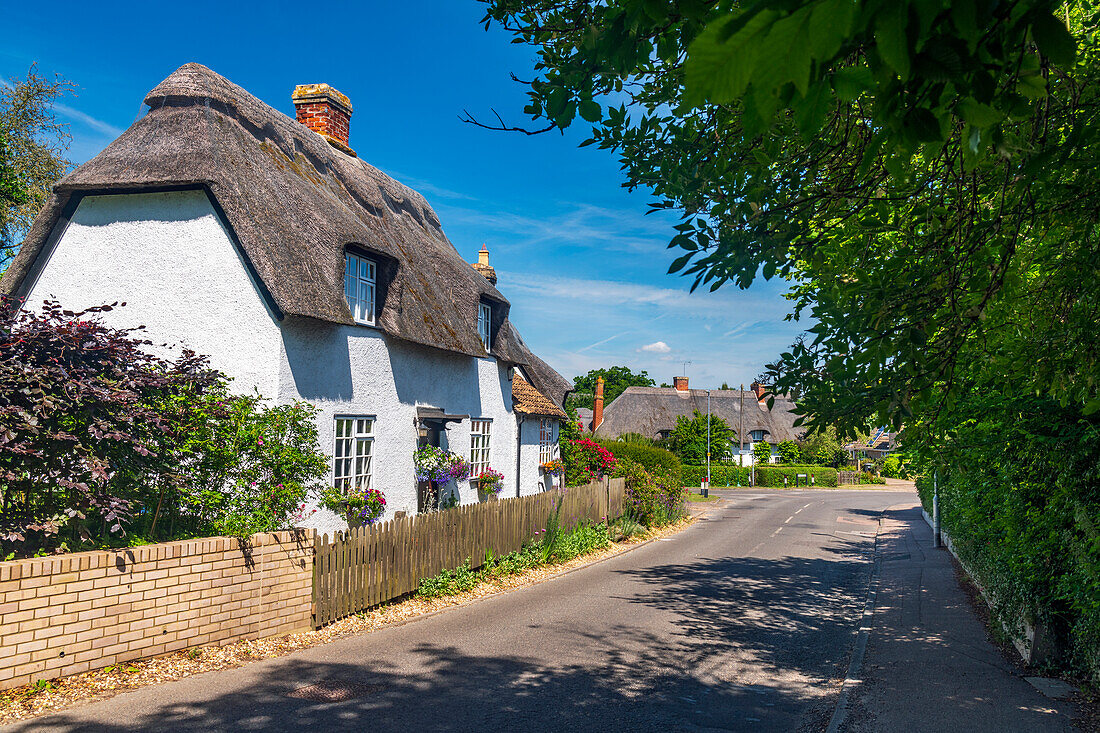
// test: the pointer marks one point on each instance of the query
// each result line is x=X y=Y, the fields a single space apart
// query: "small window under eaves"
x=361 y=287
x=484 y=324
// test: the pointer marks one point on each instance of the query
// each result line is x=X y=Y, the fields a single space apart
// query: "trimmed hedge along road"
x=766 y=476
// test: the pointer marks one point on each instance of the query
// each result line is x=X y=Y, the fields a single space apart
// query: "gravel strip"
x=30 y=701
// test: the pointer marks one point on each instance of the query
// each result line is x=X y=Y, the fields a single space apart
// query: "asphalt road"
x=744 y=621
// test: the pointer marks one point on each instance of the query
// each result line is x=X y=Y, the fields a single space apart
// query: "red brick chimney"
x=325 y=111
x=680 y=383
x=597 y=405
x=759 y=390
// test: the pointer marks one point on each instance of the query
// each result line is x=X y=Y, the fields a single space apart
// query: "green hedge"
x=720 y=475
x=772 y=476
x=766 y=476
x=652 y=458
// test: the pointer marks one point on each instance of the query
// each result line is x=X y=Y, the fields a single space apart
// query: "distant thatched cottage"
x=303 y=272
x=653 y=411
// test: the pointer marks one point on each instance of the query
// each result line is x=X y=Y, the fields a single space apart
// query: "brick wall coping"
x=73 y=562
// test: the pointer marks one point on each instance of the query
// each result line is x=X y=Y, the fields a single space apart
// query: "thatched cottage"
x=653 y=411
x=267 y=244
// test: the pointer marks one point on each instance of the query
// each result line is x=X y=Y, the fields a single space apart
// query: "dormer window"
x=360 y=286
x=484 y=321
x=757 y=435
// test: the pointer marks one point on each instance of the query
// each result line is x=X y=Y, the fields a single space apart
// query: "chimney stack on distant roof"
x=482 y=265
x=325 y=111
x=759 y=390
x=597 y=405
x=680 y=383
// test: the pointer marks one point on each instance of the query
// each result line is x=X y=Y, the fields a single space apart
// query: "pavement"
x=748 y=620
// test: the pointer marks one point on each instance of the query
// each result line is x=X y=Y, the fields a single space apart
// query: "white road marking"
x=788 y=519
x=802 y=508
x=777 y=532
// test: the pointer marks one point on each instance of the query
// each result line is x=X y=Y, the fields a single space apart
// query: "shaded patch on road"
x=334 y=691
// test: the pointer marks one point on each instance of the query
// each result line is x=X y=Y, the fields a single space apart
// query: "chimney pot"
x=680 y=383
x=759 y=389
x=325 y=111
x=482 y=265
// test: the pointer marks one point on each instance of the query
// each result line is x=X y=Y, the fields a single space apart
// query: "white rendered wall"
x=357 y=370
x=168 y=257
x=532 y=481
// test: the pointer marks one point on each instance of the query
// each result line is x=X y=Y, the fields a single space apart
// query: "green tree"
x=789 y=452
x=821 y=447
x=688 y=439
x=762 y=452
x=616 y=380
x=913 y=166
x=33 y=145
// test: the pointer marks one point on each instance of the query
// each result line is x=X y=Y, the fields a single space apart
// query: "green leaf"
x=923 y=125
x=978 y=115
x=590 y=110
x=679 y=262
x=890 y=38
x=719 y=69
x=851 y=82
x=1053 y=39
x=830 y=25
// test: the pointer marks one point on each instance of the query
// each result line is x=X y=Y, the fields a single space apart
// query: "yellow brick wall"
x=73 y=613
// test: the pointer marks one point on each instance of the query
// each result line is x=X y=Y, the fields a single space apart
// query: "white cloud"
x=98 y=125
x=657 y=347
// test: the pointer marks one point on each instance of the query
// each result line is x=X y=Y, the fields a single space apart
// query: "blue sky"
x=584 y=268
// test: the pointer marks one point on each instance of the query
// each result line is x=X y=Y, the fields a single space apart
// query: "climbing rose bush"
x=588 y=461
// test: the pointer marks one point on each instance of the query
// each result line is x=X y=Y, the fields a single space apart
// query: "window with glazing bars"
x=484 y=321
x=547 y=444
x=479 y=445
x=360 y=279
x=353 y=453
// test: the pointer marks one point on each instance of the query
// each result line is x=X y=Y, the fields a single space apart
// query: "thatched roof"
x=294 y=203
x=530 y=401
x=653 y=410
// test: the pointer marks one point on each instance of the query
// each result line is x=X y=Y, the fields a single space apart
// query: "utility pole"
x=936 y=541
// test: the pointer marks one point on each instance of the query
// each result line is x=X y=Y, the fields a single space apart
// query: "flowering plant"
x=592 y=459
x=356 y=505
x=554 y=468
x=490 y=481
x=435 y=464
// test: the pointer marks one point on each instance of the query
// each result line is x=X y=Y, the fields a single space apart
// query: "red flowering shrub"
x=587 y=461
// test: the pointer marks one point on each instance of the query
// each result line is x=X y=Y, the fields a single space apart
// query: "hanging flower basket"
x=435 y=464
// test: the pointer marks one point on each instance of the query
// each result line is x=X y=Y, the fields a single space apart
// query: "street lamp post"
x=708 y=440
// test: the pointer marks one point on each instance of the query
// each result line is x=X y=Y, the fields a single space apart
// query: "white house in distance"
x=265 y=243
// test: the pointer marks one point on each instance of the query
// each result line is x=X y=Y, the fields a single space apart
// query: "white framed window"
x=360 y=281
x=480 y=432
x=484 y=322
x=757 y=435
x=353 y=453
x=547 y=444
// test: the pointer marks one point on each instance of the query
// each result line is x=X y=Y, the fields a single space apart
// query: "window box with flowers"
x=552 y=468
x=358 y=506
x=490 y=483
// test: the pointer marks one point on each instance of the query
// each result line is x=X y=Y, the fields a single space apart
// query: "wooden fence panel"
x=368 y=566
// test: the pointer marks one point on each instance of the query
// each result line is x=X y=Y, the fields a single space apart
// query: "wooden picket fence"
x=367 y=566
